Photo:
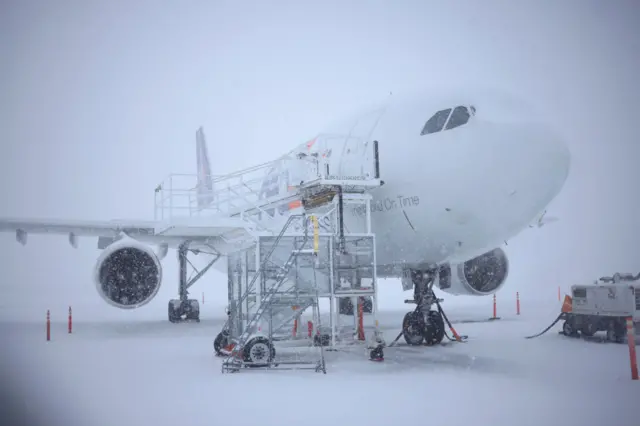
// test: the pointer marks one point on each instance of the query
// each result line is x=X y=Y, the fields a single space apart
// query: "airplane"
x=463 y=172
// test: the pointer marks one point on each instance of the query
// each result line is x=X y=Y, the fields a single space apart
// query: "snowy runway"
x=156 y=373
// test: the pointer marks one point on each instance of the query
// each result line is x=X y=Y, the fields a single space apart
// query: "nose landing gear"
x=424 y=325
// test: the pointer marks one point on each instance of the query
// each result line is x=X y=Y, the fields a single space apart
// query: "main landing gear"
x=345 y=305
x=423 y=325
x=183 y=308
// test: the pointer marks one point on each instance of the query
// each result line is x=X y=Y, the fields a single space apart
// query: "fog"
x=101 y=100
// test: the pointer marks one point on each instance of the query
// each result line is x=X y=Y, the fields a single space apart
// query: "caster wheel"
x=220 y=342
x=376 y=354
x=259 y=352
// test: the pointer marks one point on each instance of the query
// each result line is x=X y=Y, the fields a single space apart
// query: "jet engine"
x=128 y=274
x=480 y=276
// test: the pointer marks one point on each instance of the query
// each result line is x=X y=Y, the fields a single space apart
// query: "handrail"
x=248 y=189
x=251 y=284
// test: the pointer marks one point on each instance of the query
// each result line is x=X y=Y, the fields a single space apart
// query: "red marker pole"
x=495 y=306
x=517 y=303
x=632 y=349
x=558 y=293
x=48 y=326
x=70 y=321
x=495 y=309
x=360 y=318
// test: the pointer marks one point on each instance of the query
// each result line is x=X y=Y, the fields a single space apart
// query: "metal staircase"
x=271 y=294
x=259 y=219
x=274 y=281
x=275 y=298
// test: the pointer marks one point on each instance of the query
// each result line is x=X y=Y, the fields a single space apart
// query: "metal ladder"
x=266 y=303
x=267 y=300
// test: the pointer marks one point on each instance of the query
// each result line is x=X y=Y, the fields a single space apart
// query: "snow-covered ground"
x=150 y=372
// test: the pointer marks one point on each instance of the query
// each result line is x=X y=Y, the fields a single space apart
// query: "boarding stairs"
x=259 y=218
x=278 y=278
x=271 y=296
x=277 y=297
x=254 y=201
x=287 y=303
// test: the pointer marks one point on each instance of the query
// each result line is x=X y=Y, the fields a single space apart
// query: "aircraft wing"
x=75 y=228
x=109 y=231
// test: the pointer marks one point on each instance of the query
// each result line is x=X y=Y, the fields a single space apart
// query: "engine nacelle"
x=479 y=276
x=128 y=274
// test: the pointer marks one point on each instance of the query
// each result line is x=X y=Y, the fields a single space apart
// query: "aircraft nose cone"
x=544 y=163
x=529 y=165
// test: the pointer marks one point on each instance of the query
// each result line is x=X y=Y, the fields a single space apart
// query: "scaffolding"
x=275 y=281
x=294 y=231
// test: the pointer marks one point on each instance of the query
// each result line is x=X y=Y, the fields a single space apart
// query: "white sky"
x=100 y=100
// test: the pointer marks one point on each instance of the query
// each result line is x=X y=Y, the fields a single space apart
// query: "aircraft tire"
x=173 y=315
x=367 y=305
x=194 y=310
x=434 y=332
x=413 y=328
x=322 y=339
x=346 y=306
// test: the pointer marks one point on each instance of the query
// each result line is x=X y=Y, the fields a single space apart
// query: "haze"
x=101 y=100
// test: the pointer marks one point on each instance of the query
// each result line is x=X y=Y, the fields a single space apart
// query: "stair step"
x=305 y=251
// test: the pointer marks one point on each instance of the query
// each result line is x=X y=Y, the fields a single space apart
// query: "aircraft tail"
x=204 y=188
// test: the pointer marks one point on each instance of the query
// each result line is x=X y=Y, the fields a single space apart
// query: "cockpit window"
x=436 y=123
x=459 y=117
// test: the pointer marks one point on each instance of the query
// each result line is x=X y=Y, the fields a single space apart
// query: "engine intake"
x=128 y=274
x=480 y=276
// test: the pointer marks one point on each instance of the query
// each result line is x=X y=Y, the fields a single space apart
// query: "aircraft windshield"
x=459 y=117
x=448 y=119
x=436 y=123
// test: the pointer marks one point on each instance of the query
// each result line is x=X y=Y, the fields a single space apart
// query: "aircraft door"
x=344 y=154
x=352 y=157
x=355 y=149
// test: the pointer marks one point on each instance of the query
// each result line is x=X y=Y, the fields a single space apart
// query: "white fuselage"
x=452 y=195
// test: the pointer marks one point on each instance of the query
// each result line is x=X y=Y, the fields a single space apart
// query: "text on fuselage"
x=387 y=204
